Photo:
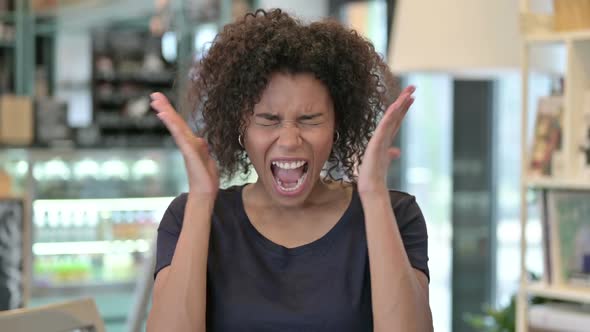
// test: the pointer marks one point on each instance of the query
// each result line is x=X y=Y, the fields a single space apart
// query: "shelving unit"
x=123 y=76
x=8 y=61
x=559 y=292
x=83 y=243
x=577 y=81
x=549 y=183
x=557 y=37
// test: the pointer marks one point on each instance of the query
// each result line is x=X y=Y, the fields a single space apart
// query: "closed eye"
x=311 y=119
x=266 y=119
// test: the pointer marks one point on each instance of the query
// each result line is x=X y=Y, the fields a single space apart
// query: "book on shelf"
x=546 y=238
x=568 y=214
x=553 y=317
x=582 y=158
x=546 y=159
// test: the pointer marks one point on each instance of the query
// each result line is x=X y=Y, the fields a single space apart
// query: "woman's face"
x=289 y=136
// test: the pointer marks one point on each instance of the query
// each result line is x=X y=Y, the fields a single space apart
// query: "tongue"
x=288 y=175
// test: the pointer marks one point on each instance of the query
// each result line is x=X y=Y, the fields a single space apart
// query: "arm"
x=179 y=297
x=399 y=292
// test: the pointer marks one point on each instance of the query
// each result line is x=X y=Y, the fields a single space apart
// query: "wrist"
x=372 y=193
x=202 y=199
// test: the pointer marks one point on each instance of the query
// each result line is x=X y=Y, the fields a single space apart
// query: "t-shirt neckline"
x=313 y=246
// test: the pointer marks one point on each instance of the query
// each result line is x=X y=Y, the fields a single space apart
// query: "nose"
x=289 y=137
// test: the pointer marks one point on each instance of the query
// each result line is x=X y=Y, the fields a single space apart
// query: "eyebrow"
x=271 y=116
x=267 y=116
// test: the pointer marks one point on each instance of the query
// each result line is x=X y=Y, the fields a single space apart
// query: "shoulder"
x=224 y=200
x=406 y=208
x=400 y=199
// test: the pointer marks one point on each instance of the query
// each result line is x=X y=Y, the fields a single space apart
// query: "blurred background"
x=86 y=170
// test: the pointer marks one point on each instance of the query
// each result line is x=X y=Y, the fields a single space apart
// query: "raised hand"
x=201 y=168
x=379 y=153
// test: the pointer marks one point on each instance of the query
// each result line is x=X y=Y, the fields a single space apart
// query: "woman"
x=292 y=251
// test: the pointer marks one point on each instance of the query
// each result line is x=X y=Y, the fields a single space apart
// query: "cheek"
x=323 y=145
x=256 y=145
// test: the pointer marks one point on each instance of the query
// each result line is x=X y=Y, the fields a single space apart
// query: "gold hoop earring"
x=240 y=141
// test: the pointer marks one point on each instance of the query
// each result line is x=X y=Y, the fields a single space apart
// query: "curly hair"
x=229 y=80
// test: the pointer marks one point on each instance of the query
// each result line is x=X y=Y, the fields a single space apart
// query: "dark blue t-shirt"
x=254 y=284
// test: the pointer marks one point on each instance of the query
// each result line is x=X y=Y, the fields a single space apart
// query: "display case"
x=95 y=214
x=94 y=218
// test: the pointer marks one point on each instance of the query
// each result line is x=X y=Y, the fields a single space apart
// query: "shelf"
x=557 y=37
x=548 y=183
x=158 y=78
x=117 y=121
x=83 y=287
x=559 y=292
x=6 y=44
x=105 y=204
x=9 y=17
x=90 y=247
x=10 y=197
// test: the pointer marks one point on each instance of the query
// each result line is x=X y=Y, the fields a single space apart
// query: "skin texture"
x=294 y=119
x=276 y=123
x=228 y=83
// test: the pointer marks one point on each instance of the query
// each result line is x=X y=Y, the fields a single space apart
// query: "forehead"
x=294 y=92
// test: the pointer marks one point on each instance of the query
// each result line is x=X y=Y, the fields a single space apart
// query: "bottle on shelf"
x=104 y=229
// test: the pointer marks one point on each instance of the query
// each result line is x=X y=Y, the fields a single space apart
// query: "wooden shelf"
x=564 y=293
x=545 y=38
x=557 y=37
x=549 y=183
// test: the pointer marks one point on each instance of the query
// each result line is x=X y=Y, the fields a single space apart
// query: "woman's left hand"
x=379 y=153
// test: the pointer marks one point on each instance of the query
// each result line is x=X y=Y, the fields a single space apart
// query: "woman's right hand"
x=201 y=168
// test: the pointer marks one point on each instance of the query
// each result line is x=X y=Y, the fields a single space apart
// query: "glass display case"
x=95 y=213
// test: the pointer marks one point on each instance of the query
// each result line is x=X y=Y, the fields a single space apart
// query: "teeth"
x=299 y=183
x=289 y=165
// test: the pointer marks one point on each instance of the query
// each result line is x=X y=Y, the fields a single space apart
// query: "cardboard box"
x=5 y=184
x=44 y=5
x=16 y=120
x=571 y=14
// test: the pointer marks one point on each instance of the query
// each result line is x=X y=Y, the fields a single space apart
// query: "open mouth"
x=289 y=175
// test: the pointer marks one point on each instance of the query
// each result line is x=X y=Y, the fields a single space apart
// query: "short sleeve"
x=412 y=227
x=168 y=232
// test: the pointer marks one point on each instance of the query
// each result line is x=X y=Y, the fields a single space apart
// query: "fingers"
x=393 y=153
x=173 y=121
x=404 y=110
x=162 y=102
x=395 y=113
x=181 y=132
x=402 y=103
